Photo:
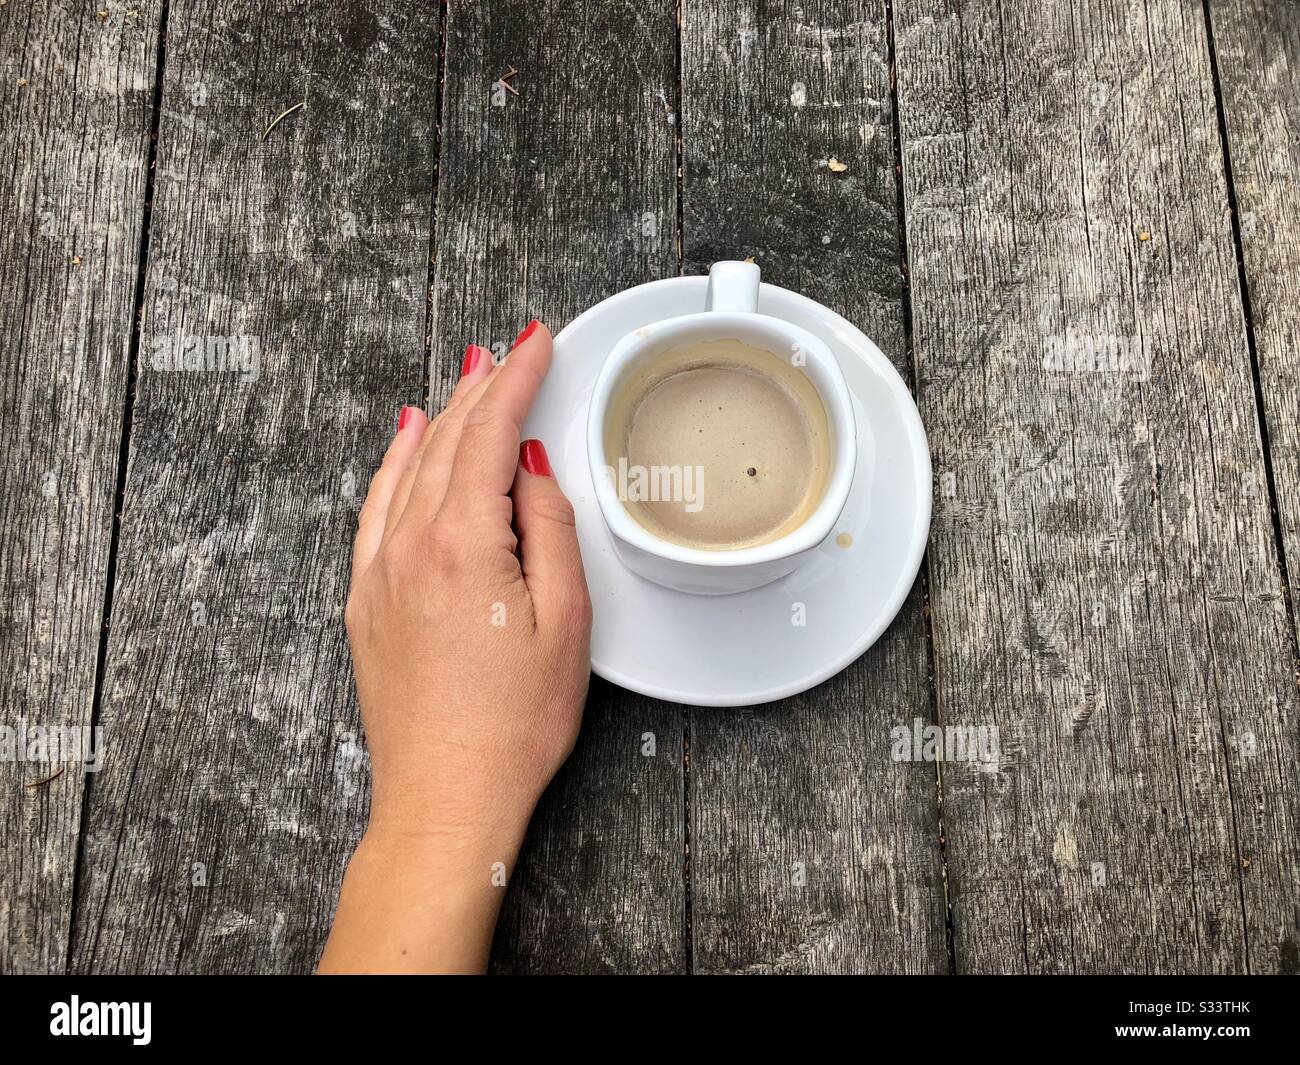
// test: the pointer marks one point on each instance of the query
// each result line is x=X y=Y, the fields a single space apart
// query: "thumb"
x=548 y=544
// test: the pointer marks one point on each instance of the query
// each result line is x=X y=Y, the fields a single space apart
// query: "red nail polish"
x=532 y=457
x=404 y=417
x=473 y=356
x=529 y=329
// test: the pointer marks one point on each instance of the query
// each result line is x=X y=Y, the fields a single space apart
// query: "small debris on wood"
x=1245 y=863
x=504 y=81
x=102 y=16
x=22 y=82
x=76 y=260
x=1144 y=236
x=45 y=780
x=837 y=167
x=749 y=259
x=282 y=115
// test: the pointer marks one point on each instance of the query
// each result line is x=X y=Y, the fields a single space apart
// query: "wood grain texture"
x=236 y=780
x=1257 y=48
x=1104 y=580
x=811 y=849
x=548 y=202
x=75 y=101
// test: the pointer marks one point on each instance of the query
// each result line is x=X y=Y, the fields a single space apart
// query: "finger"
x=548 y=546
x=488 y=453
x=475 y=369
x=397 y=459
x=430 y=483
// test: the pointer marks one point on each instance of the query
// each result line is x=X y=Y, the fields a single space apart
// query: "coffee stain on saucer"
x=844 y=540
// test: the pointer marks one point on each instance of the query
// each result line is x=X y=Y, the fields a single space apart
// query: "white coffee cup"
x=731 y=314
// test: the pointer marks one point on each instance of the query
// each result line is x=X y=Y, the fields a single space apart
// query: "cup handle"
x=733 y=286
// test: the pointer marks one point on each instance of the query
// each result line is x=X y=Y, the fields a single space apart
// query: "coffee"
x=718 y=446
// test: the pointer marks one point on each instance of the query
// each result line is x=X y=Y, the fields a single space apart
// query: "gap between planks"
x=1248 y=319
x=927 y=616
x=124 y=451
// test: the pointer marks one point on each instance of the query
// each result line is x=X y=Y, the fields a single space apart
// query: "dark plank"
x=1104 y=577
x=771 y=93
x=1257 y=47
x=75 y=106
x=235 y=753
x=543 y=209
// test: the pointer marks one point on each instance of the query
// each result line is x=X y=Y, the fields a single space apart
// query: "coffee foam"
x=719 y=445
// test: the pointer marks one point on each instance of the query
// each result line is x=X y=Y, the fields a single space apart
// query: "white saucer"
x=737 y=650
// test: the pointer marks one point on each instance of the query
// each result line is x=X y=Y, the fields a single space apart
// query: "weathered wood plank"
x=547 y=202
x=806 y=788
x=1104 y=580
x=75 y=99
x=1257 y=48
x=235 y=785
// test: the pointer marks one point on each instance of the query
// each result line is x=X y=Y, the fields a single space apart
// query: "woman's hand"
x=470 y=627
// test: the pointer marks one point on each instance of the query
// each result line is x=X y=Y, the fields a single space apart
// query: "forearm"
x=416 y=905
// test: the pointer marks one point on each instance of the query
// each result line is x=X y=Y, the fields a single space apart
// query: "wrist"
x=464 y=851
x=467 y=832
x=460 y=813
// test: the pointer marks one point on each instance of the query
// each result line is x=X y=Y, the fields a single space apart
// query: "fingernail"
x=532 y=457
x=528 y=331
x=473 y=356
x=404 y=417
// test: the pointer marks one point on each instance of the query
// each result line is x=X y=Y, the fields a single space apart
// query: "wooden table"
x=1003 y=195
